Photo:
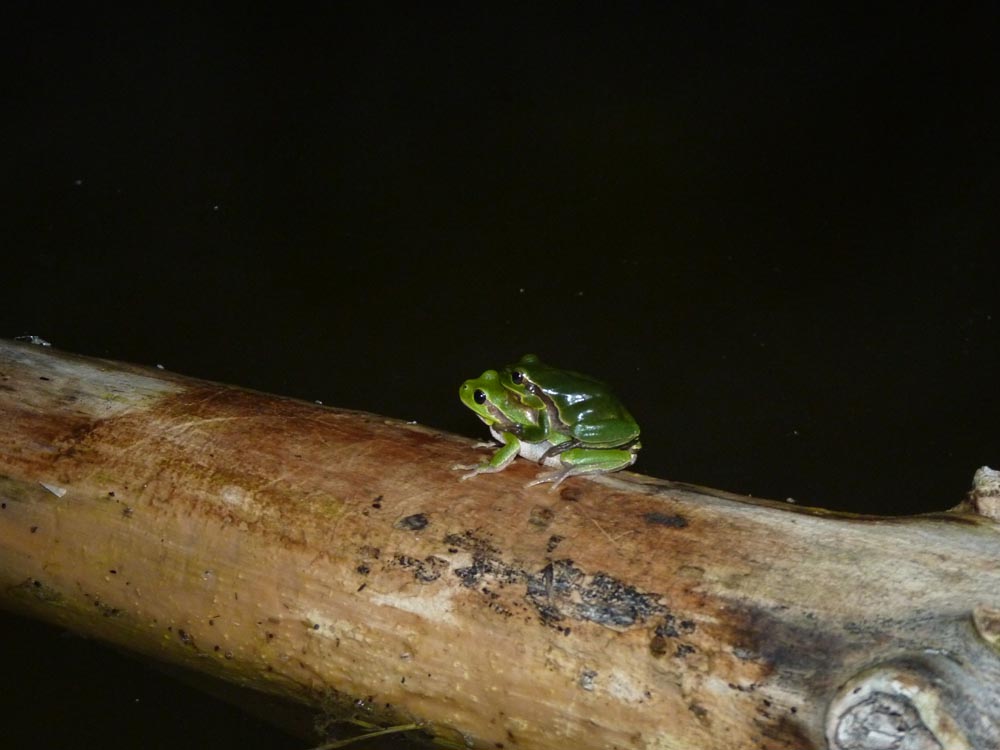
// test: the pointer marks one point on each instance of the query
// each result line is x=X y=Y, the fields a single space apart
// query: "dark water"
x=776 y=235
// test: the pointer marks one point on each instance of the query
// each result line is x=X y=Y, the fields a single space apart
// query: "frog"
x=576 y=412
x=513 y=424
x=528 y=424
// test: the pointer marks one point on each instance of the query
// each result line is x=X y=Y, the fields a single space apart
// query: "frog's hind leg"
x=580 y=461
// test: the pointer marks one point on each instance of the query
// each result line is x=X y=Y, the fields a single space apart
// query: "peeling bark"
x=332 y=558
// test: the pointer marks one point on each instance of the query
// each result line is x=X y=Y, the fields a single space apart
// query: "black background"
x=774 y=232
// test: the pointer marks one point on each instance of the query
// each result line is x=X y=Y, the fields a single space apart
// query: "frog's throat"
x=501 y=420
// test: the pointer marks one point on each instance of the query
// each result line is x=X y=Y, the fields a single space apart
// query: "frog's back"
x=601 y=421
x=585 y=404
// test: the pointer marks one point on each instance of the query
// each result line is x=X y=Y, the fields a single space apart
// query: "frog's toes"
x=556 y=477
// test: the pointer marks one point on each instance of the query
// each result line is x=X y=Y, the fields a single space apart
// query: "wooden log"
x=332 y=558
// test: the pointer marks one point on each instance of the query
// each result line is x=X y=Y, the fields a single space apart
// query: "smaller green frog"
x=512 y=423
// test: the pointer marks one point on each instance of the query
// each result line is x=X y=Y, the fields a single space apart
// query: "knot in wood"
x=883 y=722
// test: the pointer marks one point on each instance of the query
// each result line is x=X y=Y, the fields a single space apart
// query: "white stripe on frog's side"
x=532 y=451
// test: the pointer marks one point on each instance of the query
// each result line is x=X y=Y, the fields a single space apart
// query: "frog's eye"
x=517 y=377
x=479 y=397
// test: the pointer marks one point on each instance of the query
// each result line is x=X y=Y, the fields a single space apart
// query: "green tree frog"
x=557 y=417
x=512 y=423
x=579 y=408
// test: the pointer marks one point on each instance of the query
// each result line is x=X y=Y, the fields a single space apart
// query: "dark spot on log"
x=667 y=629
x=553 y=542
x=548 y=613
x=426 y=570
x=472 y=543
x=416 y=522
x=430 y=569
x=664 y=519
x=34 y=529
x=363 y=569
x=658 y=646
x=683 y=650
x=42 y=377
x=558 y=592
x=793 y=645
x=540 y=518
x=698 y=710
x=569 y=494
x=563 y=589
x=377 y=502
x=37 y=590
x=471 y=575
x=670 y=628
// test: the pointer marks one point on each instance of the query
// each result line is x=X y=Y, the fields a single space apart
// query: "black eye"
x=479 y=397
x=517 y=377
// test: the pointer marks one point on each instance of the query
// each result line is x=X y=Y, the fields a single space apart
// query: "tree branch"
x=332 y=558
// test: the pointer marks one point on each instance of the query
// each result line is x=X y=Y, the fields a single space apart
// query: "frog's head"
x=493 y=403
x=482 y=394
x=519 y=378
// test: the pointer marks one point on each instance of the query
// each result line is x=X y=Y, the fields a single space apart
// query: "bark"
x=332 y=558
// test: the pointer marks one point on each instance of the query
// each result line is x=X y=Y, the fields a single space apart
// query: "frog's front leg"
x=498 y=462
x=550 y=418
x=558 y=448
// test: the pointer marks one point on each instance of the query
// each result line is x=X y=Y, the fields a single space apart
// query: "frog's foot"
x=500 y=460
x=477 y=469
x=556 y=477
